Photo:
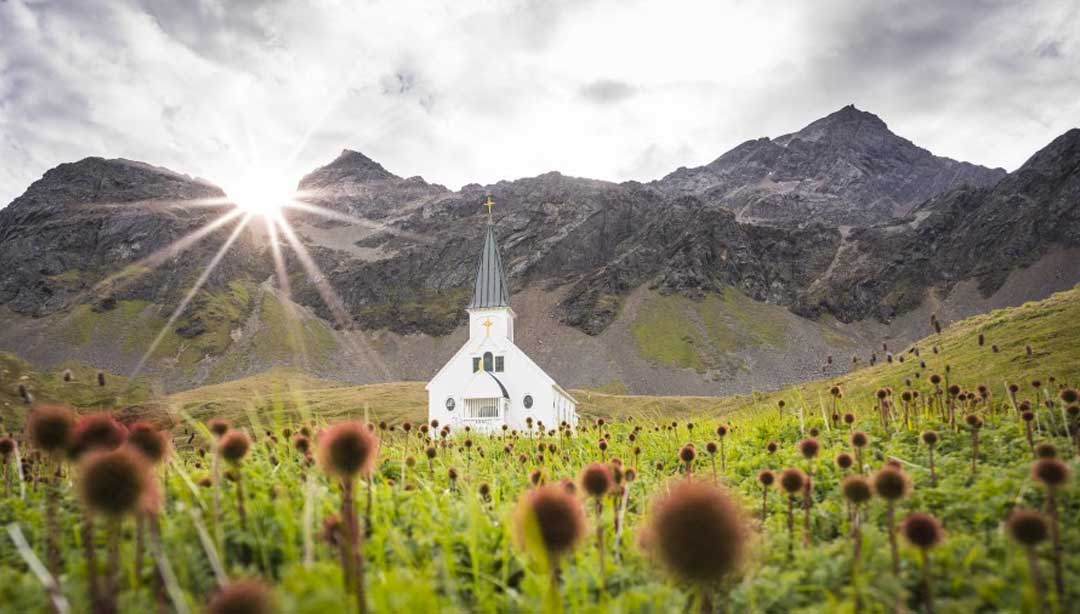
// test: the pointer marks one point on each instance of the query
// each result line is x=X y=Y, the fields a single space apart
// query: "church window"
x=450 y=404
x=528 y=401
x=489 y=359
x=476 y=364
x=498 y=364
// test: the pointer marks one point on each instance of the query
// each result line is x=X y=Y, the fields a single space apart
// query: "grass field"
x=437 y=543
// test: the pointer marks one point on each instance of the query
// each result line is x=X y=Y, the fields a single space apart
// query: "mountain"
x=846 y=168
x=742 y=274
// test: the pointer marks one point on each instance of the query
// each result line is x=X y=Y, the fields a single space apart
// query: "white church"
x=490 y=382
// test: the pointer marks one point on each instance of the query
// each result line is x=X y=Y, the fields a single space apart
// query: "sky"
x=236 y=91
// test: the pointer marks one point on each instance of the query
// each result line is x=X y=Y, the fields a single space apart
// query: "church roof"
x=491 y=289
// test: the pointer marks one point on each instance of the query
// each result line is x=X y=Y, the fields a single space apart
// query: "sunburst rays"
x=279 y=235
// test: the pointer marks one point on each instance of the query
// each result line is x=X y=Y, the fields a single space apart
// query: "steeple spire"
x=490 y=289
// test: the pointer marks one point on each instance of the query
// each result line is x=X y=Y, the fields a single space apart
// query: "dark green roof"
x=491 y=289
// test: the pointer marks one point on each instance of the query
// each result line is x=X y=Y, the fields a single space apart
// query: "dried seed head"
x=234 y=446
x=891 y=484
x=1069 y=395
x=554 y=514
x=242 y=597
x=97 y=432
x=697 y=532
x=721 y=431
x=116 y=482
x=856 y=489
x=973 y=421
x=150 y=442
x=711 y=447
x=51 y=427
x=687 y=454
x=930 y=437
x=792 y=480
x=809 y=448
x=766 y=478
x=1028 y=527
x=596 y=479
x=1045 y=449
x=301 y=444
x=844 y=460
x=922 y=530
x=1051 y=472
x=7 y=446
x=772 y=447
x=347 y=449
x=218 y=426
x=859 y=439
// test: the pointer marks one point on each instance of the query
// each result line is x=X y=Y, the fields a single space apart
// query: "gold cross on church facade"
x=487 y=324
x=489 y=204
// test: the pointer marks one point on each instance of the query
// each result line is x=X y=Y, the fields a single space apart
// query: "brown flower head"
x=347 y=449
x=809 y=447
x=922 y=530
x=234 y=446
x=1051 y=472
x=596 y=479
x=51 y=428
x=150 y=442
x=697 y=532
x=891 y=484
x=242 y=597
x=556 y=516
x=116 y=482
x=856 y=489
x=218 y=426
x=792 y=480
x=95 y=432
x=1027 y=526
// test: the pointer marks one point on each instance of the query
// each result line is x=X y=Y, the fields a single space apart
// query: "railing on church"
x=483 y=414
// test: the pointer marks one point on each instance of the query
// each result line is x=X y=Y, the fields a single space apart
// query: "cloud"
x=607 y=91
x=473 y=91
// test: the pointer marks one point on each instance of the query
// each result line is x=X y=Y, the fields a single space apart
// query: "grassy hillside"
x=83 y=391
x=1051 y=327
x=443 y=525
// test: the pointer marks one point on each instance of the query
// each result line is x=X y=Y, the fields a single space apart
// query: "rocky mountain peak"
x=846 y=168
x=349 y=167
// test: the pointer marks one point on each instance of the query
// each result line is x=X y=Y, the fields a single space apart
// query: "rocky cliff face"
x=842 y=218
x=86 y=222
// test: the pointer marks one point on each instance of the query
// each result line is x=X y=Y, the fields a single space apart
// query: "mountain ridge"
x=576 y=249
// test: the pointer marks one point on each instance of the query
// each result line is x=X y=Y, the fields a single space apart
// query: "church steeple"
x=490 y=289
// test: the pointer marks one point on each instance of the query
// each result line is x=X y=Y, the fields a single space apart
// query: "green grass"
x=82 y=392
x=436 y=545
x=705 y=334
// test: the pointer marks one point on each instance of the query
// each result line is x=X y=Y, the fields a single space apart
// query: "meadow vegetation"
x=942 y=478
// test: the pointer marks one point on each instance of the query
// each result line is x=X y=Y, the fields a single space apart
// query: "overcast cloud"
x=480 y=91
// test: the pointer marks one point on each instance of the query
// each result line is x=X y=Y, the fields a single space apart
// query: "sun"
x=261 y=193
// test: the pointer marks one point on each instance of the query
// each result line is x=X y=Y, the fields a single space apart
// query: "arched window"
x=489 y=362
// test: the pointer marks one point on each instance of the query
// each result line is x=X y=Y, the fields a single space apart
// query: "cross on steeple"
x=489 y=204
